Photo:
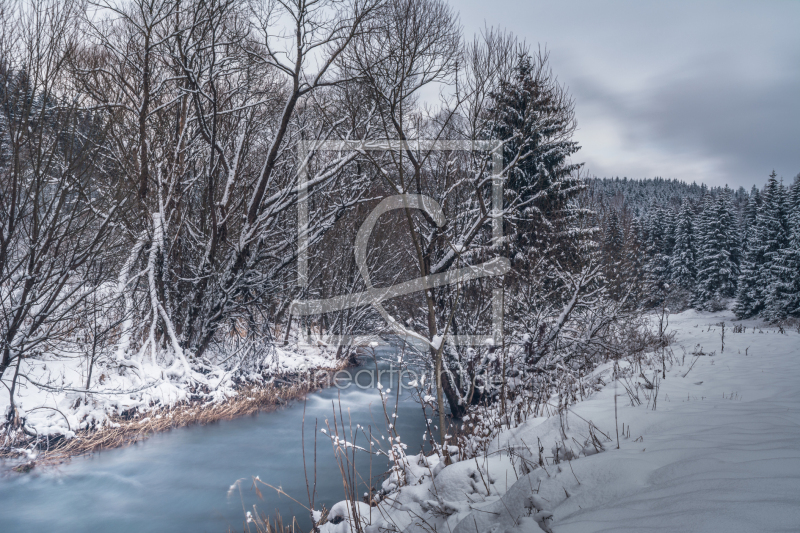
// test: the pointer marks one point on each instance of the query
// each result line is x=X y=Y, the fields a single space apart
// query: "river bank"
x=199 y=477
x=704 y=440
x=54 y=418
x=121 y=431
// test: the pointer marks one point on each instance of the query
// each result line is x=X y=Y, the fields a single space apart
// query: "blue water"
x=180 y=480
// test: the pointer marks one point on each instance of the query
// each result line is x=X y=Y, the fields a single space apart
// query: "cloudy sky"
x=698 y=90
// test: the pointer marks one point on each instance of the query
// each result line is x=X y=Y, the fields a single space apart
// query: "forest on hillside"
x=704 y=247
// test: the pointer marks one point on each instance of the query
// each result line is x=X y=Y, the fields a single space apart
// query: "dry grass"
x=125 y=431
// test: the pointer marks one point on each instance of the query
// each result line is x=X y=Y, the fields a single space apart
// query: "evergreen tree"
x=701 y=223
x=716 y=271
x=613 y=252
x=534 y=117
x=792 y=259
x=613 y=238
x=682 y=261
x=773 y=223
x=634 y=255
x=657 y=266
x=795 y=196
x=668 y=244
x=766 y=236
x=748 y=293
x=784 y=288
x=733 y=224
x=753 y=204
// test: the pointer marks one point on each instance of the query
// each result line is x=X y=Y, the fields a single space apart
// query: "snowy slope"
x=721 y=453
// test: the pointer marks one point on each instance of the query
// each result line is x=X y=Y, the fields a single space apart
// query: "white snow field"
x=720 y=453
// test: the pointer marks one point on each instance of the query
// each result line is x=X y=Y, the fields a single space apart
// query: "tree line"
x=705 y=247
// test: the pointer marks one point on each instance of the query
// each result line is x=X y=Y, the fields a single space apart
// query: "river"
x=181 y=480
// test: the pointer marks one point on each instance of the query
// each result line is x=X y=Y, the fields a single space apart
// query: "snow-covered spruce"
x=700 y=246
x=717 y=453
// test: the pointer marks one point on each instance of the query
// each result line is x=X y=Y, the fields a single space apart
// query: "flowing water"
x=185 y=479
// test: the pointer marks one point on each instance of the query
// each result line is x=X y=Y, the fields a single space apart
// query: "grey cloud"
x=750 y=125
x=705 y=91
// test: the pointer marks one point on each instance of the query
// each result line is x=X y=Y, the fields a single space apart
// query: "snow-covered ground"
x=51 y=391
x=720 y=453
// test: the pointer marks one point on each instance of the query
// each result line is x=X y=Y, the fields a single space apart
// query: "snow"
x=720 y=453
x=436 y=342
x=52 y=397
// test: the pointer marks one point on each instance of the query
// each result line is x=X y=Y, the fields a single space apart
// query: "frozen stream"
x=180 y=480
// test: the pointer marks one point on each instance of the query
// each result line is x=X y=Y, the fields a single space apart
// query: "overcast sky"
x=698 y=90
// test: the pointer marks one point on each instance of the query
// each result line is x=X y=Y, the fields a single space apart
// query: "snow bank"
x=53 y=399
x=720 y=453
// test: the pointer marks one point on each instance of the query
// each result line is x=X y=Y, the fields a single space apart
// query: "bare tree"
x=211 y=102
x=58 y=208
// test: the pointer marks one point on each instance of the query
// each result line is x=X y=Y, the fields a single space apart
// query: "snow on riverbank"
x=51 y=391
x=720 y=453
